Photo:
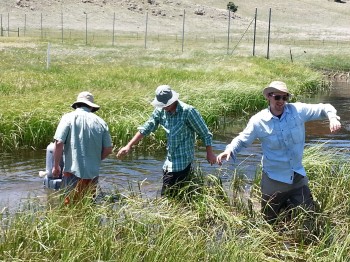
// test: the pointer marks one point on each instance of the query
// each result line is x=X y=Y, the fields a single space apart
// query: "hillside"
x=298 y=18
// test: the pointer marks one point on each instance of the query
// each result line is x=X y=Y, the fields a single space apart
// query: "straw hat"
x=275 y=86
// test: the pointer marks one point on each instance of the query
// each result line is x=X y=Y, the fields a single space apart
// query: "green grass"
x=204 y=225
x=123 y=81
x=211 y=223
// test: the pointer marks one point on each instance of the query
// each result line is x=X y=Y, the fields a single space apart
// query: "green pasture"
x=42 y=73
x=208 y=223
x=39 y=82
x=204 y=225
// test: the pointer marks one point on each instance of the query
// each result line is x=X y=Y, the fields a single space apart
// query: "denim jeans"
x=174 y=181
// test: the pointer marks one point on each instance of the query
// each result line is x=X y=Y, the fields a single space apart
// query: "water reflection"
x=19 y=173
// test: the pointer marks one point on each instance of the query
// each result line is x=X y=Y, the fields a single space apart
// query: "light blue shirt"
x=282 y=139
x=181 y=128
x=84 y=135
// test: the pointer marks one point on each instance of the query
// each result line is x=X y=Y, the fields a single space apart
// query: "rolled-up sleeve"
x=151 y=124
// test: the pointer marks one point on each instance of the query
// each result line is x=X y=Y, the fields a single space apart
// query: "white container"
x=53 y=183
x=49 y=180
x=49 y=159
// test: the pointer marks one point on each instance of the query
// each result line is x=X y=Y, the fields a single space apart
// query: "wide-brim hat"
x=275 y=86
x=88 y=99
x=165 y=96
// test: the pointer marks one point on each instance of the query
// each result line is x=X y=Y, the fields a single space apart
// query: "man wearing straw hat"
x=281 y=131
x=181 y=123
x=85 y=141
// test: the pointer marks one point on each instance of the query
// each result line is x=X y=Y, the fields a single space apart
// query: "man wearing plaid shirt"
x=181 y=123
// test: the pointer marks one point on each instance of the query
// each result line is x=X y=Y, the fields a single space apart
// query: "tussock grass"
x=123 y=81
x=205 y=224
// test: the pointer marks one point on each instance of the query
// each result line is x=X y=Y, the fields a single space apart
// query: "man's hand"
x=56 y=171
x=226 y=154
x=334 y=124
x=123 y=151
x=211 y=158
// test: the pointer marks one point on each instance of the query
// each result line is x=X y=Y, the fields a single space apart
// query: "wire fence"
x=236 y=38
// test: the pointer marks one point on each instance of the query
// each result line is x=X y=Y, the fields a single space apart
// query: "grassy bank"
x=123 y=81
x=205 y=226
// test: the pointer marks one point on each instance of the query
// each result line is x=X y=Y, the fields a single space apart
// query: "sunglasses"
x=279 y=97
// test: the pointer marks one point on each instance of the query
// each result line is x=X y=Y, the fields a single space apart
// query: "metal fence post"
x=8 y=24
x=62 y=27
x=254 y=38
x=183 y=31
x=228 y=30
x=113 y=29
x=268 y=37
x=146 y=30
x=25 y=24
x=41 y=25
x=86 y=28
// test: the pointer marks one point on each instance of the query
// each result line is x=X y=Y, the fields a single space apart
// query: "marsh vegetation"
x=208 y=223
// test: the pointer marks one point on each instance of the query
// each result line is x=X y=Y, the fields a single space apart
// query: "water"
x=19 y=178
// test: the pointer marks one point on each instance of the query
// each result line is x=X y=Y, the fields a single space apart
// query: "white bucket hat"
x=88 y=99
x=164 y=96
x=275 y=86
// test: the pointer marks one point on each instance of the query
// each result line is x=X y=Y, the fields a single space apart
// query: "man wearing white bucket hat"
x=281 y=131
x=181 y=123
x=85 y=141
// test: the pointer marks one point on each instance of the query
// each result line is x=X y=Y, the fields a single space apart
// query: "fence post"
x=8 y=24
x=183 y=31
x=48 y=56
x=25 y=25
x=146 y=30
x=62 y=26
x=17 y=31
x=2 y=32
x=86 y=28
x=113 y=29
x=228 y=30
x=41 y=24
x=268 y=37
x=254 y=38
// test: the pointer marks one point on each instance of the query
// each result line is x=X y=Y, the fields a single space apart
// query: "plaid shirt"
x=181 y=128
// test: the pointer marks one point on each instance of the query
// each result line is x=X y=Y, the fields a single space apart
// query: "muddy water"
x=19 y=178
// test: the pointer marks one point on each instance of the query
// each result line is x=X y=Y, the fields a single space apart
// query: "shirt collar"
x=179 y=109
x=83 y=108
x=267 y=115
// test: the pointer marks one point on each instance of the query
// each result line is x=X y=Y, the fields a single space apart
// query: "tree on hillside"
x=232 y=7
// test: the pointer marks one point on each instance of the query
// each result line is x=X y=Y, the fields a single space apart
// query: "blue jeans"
x=174 y=181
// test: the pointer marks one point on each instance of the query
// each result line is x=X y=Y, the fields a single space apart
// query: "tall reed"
x=123 y=83
x=205 y=224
